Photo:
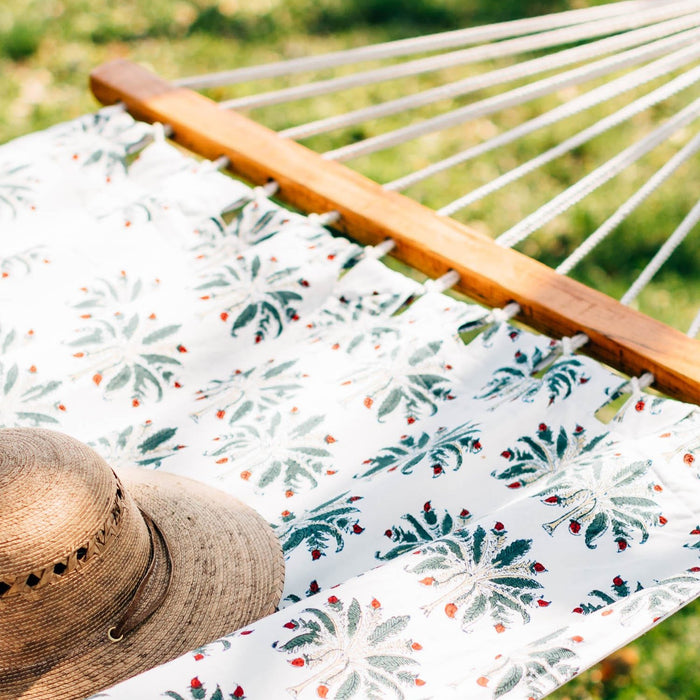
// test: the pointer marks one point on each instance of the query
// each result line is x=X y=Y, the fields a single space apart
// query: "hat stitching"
x=27 y=583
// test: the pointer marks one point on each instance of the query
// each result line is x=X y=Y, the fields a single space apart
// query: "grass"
x=47 y=48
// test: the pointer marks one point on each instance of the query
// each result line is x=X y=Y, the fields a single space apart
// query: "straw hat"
x=158 y=563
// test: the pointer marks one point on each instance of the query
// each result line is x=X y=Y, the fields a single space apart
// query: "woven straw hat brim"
x=228 y=571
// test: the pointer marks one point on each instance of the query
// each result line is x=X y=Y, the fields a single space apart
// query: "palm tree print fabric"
x=456 y=521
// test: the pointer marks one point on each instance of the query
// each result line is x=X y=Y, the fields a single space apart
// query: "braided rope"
x=431 y=42
x=598 y=177
x=617 y=87
x=486 y=80
x=664 y=92
x=511 y=98
x=694 y=326
x=456 y=58
x=663 y=254
x=659 y=177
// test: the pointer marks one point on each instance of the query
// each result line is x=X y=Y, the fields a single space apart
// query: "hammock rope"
x=629 y=206
x=641 y=104
x=482 y=53
x=511 y=98
x=598 y=177
x=431 y=42
x=482 y=81
x=662 y=255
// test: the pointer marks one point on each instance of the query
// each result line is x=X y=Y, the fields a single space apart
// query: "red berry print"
x=506 y=454
x=375 y=603
x=181 y=348
x=315 y=554
x=368 y=401
x=639 y=406
x=410 y=420
x=515 y=485
x=450 y=610
x=427 y=506
x=552 y=500
x=542 y=427
x=543 y=603
x=322 y=691
x=298 y=662
x=621 y=545
x=437 y=470
x=357 y=529
x=688 y=458
x=333 y=599
x=195 y=683
x=388 y=533
x=476 y=446
x=617 y=581
x=198 y=657
x=662 y=520
x=575 y=527
x=314 y=587
x=290 y=625
x=579 y=611
x=539 y=568
x=238 y=692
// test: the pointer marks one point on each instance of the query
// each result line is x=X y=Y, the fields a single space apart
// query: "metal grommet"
x=111 y=637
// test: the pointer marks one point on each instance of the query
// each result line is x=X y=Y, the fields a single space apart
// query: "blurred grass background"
x=48 y=47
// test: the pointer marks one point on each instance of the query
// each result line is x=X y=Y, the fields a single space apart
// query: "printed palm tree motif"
x=619 y=588
x=256 y=290
x=349 y=322
x=125 y=348
x=482 y=573
x=287 y=449
x=22 y=263
x=662 y=598
x=253 y=390
x=328 y=523
x=357 y=652
x=140 y=445
x=427 y=526
x=440 y=450
x=17 y=189
x=510 y=382
x=104 y=136
x=538 y=669
x=542 y=454
x=560 y=379
x=657 y=600
x=24 y=400
x=198 y=691
x=403 y=375
x=603 y=496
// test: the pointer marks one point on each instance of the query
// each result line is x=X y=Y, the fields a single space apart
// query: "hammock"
x=456 y=520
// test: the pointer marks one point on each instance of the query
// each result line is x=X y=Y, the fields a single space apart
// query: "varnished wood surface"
x=550 y=303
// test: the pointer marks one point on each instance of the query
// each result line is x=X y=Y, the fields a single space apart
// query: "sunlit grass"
x=48 y=47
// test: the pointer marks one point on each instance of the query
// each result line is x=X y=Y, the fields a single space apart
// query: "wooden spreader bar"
x=551 y=303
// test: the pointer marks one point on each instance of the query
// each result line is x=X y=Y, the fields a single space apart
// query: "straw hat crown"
x=76 y=494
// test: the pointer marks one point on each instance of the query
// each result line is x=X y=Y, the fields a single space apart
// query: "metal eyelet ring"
x=113 y=638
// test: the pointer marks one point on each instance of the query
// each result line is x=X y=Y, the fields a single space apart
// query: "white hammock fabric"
x=453 y=525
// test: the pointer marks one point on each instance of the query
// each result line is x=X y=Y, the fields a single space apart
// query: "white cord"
x=629 y=206
x=443 y=283
x=660 y=67
x=484 y=52
x=511 y=98
x=694 y=327
x=662 y=255
x=473 y=83
x=598 y=177
x=424 y=43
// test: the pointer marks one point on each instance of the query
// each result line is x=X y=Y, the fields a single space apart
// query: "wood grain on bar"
x=550 y=303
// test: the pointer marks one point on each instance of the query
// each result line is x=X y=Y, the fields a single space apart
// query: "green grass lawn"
x=48 y=47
